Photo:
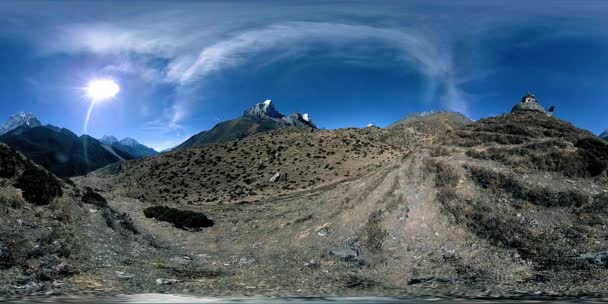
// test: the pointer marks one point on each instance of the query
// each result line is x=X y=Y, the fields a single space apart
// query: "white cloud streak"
x=190 y=62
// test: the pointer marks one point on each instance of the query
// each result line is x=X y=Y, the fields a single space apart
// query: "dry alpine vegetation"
x=243 y=170
x=510 y=205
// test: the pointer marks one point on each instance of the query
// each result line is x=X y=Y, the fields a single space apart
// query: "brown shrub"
x=444 y=174
x=498 y=182
x=437 y=151
x=14 y=248
x=373 y=234
x=39 y=186
x=590 y=158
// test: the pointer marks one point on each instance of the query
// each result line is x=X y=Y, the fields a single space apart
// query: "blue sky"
x=183 y=66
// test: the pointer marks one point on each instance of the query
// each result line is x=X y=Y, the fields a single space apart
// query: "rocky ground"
x=509 y=205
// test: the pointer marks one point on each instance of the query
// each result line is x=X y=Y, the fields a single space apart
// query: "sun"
x=102 y=89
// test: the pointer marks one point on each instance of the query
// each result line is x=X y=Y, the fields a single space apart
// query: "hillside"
x=260 y=118
x=229 y=172
x=532 y=185
x=61 y=152
x=57 y=238
x=507 y=203
x=423 y=128
x=128 y=146
x=510 y=205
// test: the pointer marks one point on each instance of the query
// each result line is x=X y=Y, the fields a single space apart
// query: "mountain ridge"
x=63 y=152
x=21 y=119
x=128 y=145
x=507 y=203
x=261 y=117
x=513 y=203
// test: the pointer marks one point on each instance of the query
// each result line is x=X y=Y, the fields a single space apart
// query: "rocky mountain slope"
x=19 y=120
x=63 y=153
x=129 y=146
x=253 y=168
x=423 y=128
x=604 y=134
x=57 y=238
x=510 y=205
x=262 y=117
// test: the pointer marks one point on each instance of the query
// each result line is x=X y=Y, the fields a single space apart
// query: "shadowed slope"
x=62 y=153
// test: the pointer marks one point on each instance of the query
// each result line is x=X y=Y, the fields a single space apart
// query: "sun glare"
x=102 y=89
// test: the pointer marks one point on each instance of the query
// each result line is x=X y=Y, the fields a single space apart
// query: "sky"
x=184 y=66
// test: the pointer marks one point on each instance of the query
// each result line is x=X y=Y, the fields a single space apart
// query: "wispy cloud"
x=189 y=63
x=193 y=41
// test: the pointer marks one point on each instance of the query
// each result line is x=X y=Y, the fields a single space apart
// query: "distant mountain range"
x=60 y=150
x=128 y=145
x=261 y=117
x=604 y=135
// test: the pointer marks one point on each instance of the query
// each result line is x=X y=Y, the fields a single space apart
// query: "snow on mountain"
x=108 y=140
x=261 y=117
x=23 y=119
x=265 y=109
x=129 y=146
x=129 y=142
x=604 y=135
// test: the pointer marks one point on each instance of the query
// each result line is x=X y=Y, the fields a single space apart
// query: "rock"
x=28 y=286
x=183 y=260
x=311 y=264
x=245 y=261
x=166 y=281
x=278 y=177
x=345 y=254
x=124 y=275
x=64 y=269
x=598 y=258
x=323 y=230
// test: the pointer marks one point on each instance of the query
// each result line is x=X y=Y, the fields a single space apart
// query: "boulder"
x=598 y=258
x=166 y=281
x=278 y=177
x=345 y=254
x=124 y=275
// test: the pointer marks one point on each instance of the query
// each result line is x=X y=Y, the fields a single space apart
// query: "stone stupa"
x=528 y=103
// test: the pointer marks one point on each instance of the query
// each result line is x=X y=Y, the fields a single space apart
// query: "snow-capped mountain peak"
x=129 y=142
x=22 y=119
x=267 y=104
x=108 y=139
x=604 y=135
x=128 y=145
x=306 y=117
x=264 y=109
